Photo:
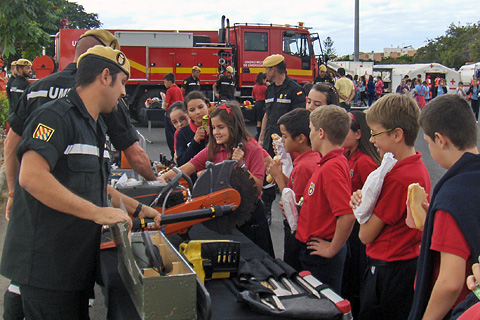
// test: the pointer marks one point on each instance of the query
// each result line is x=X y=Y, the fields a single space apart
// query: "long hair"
x=230 y=114
x=359 y=122
x=260 y=78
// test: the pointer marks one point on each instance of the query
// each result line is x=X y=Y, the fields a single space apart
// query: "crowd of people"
x=57 y=167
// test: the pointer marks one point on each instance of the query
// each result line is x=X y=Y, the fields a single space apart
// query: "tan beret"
x=273 y=60
x=23 y=62
x=196 y=68
x=108 y=54
x=14 y=63
x=103 y=36
x=323 y=68
x=230 y=69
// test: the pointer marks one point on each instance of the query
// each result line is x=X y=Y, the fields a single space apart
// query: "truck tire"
x=140 y=103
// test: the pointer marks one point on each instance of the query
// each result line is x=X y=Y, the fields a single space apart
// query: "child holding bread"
x=295 y=130
x=451 y=236
x=392 y=247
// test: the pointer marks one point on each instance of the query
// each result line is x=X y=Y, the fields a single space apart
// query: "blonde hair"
x=396 y=111
x=334 y=120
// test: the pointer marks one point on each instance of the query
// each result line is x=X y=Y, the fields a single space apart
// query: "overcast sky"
x=383 y=23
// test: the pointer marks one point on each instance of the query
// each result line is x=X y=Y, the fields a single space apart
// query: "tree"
x=460 y=44
x=25 y=26
x=330 y=51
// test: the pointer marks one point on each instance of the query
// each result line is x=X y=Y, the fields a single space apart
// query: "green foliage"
x=3 y=110
x=26 y=26
x=405 y=59
x=459 y=45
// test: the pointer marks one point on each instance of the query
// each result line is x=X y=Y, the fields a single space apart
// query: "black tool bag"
x=256 y=292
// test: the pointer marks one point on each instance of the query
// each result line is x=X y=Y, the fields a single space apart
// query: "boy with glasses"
x=392 y=247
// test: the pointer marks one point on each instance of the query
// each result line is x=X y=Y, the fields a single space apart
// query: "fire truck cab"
x=252 y=43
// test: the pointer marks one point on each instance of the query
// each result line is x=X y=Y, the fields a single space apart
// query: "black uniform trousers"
x=387 y=289
x=39 y=304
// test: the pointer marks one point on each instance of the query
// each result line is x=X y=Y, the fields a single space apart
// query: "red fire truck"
x=154 y=53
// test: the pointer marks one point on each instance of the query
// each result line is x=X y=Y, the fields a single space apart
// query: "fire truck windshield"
x=296 y=44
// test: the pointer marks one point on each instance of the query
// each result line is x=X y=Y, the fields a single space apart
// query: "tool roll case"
x=274 y=288
x=172 y=295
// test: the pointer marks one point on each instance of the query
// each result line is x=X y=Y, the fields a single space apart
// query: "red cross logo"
x=452 y=82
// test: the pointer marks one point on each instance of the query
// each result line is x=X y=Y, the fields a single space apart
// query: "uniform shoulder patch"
x=43 y=132
x=299 y=93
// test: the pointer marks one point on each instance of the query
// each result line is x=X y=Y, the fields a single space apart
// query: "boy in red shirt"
x=451 y=236
x=326 y=219
x=295 y=130
x=392 y=247
x=174 y=94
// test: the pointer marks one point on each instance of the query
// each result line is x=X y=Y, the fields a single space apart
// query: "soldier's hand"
x=149 y=212
x=8 y=208
x=109 y=215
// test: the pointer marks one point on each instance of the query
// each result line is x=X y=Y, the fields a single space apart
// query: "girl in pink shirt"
x=227 y=131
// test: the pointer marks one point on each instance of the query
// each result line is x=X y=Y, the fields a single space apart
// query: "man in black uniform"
x=282 y=95
x=53 y=239
x=13 y=72
x=192 y=83
x=323 y=76
x=224 y=88
x=120 y=130
x=24 y=72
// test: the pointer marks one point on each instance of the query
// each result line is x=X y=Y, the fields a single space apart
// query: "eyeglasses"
x=379 y=133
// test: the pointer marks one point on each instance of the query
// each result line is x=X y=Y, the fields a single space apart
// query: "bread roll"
x=269 y=177
x=416 y=196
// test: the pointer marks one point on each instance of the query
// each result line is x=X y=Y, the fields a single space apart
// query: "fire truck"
x=154 y=53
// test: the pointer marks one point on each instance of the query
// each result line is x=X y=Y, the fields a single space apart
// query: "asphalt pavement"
x=157 y=146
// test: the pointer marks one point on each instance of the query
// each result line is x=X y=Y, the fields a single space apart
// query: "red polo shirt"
x=326 y=197
x=174 y=94
x=447 y=237
x=253 y=159
x=361 y=165
x=303 y=167
x=397 y=241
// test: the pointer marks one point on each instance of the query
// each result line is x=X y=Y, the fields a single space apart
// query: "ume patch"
x=43 y=132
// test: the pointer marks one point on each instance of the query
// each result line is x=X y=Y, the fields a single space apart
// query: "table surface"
x=154 y=114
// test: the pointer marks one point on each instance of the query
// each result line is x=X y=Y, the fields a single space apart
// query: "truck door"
x=138 y=62
x=160 y=62
x=250 y=60
x=185 y=59
x=298 y=55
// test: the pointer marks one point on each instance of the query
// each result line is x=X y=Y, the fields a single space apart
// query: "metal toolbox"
x=171 y=296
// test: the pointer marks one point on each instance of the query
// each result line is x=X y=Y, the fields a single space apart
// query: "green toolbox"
x=161 y=283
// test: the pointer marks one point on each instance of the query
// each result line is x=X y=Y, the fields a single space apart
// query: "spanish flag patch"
x=299 y=93
x=43 y=132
